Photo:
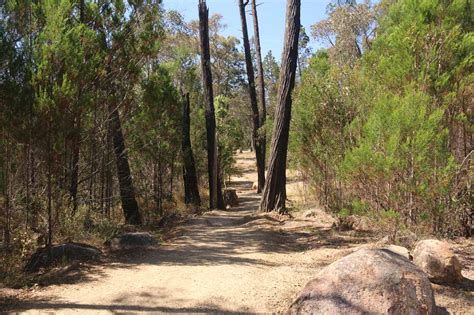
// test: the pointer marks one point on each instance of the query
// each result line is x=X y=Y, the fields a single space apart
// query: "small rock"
x=438 y=260
x=133 y=240
x=368 y=281
x=255 y=186
x=230 y=197
x=67 y=252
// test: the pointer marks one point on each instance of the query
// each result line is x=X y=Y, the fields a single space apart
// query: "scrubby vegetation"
x=383 y=119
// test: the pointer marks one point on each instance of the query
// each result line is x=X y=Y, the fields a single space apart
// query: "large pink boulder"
x=438 y=260
x=369 y=281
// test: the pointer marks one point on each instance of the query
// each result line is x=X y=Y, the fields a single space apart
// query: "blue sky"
x=271 y=15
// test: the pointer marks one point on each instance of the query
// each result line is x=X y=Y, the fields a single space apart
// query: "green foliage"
x=386 y=133
x=271 y=71
x=229 y=134
x=344 y=212
x=318 y=137
x=359 y=207
x=156 y=124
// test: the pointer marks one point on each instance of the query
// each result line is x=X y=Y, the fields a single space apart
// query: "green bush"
x=388 y=137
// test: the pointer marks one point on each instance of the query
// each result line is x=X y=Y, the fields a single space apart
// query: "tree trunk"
x=34 y=204
x=170 y=195
x=102 y=182
x=82 y=10
x=92 y=165
x=262 y=112
x=6 y=193
x=127 y=191
x=212 y=161
x=156 y=196
x=27 y=183
x=160 y=185
x=274 y=194
x=76 y=141
x=220 y=195
x=49 y=192
x=191 y=190
x=75 y=163
x=108 y=172
x=253 y=100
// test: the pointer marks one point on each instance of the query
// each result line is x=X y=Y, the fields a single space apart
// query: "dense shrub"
x=393 y=133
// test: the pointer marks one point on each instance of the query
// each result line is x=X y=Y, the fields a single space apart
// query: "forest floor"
x=223 y=261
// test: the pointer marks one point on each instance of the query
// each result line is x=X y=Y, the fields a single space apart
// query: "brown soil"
x=223 y=261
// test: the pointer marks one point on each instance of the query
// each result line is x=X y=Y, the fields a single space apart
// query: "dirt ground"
x=223 y=261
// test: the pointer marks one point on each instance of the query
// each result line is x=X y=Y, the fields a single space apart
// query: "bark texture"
x=76 y=136
x=274 y=193
x=215 y=193
x=191 y=191
x=262 y=111
x=75 y=163
x=127 y=191
x=6 y=193
x=259 y=151
x=49 y=190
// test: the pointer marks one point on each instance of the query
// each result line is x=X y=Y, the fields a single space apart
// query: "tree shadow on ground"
x=245 y=170
x=248 y=203
x=124 y=304
x=233 y=239
x=240 y=184
x=238 y=236
x=121 y=308
x=70 y=274
x=121 y=305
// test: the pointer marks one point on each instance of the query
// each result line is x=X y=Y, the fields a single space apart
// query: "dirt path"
x=224 y=261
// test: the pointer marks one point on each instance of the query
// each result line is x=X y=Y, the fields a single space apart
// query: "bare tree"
x=259 y=151
x=274 y=193
x=49 y=189
x=5 y=173
x=191 y=191
x=215 y=189
x=127 y=191
x=262 y=111
x=76 y=135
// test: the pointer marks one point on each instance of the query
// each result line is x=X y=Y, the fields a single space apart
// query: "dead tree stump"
x=230 y=197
